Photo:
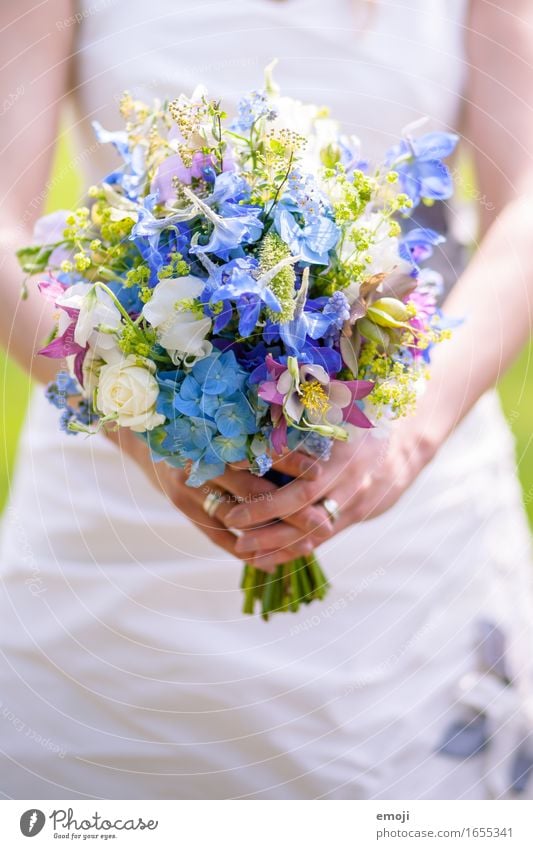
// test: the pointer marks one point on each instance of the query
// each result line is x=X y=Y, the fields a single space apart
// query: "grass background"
x=65 y=188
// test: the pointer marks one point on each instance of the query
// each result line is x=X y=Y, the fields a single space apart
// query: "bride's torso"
x=377 y=65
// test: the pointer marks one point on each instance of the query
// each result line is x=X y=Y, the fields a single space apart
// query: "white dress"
x=126 y=667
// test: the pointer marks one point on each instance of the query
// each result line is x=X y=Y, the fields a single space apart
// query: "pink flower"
x=306 y=394
x=64 y=344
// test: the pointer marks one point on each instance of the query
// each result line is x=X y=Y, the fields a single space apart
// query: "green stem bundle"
x=297 y=582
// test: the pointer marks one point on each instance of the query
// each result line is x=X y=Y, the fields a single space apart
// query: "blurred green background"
x=65 y=190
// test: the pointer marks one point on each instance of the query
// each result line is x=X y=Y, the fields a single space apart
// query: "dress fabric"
x=126 y=667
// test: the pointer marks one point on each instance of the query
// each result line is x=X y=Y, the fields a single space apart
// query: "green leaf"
x=34 y=259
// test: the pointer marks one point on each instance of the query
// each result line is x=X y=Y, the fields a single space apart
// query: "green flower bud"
x=376 y=334
x=393 y=307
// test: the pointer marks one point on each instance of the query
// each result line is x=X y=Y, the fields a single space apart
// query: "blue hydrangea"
x=210 y=416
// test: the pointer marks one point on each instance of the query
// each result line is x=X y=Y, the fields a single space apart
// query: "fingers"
x=299 y=497
x=258 y=493
x=191 y=502
x=273 y=539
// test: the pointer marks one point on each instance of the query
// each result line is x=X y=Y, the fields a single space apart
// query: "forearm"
x=24 y=323
x=40 y=74
x=494 y=300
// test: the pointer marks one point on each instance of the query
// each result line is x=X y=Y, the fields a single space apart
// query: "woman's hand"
x=365 y=477
x=235 y=486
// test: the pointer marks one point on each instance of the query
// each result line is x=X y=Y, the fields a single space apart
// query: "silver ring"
x=332 y=508
x=211 y=503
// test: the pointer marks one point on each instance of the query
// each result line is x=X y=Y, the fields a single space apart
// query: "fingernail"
x=238 y=516
x=307 y=547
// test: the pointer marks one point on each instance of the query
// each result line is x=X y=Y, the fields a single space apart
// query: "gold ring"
x=211 y=503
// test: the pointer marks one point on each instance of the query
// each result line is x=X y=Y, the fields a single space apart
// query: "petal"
x=294 y=407
x=339 y=394
x=359 y=388
x=357 y=418
x=435 y=145
x=279 y=436
x=315 y=371
x=285 y=382
x=334 y=415
x=268 y=392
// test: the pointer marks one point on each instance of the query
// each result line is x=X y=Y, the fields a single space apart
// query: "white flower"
x=92 y=365
x=127 y=392
x=181 y=327
x=324 y=132
x=292 y=115
x=96 y=311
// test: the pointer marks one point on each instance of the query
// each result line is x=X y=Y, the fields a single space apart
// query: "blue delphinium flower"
x=132 y=175
x=239 y=226
x=151 y=227
x=418 y=162
x=229 y=189
x=241 y=284
x=313 y=241
x=303 y=219
x=157 y=248
x=305 y=322
x=417 y=245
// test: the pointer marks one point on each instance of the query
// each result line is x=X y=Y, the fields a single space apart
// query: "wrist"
x=421 y=439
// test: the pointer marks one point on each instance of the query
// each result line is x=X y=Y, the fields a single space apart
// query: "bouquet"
x=242 y=287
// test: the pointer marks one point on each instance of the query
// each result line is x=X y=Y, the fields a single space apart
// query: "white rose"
x=92 y=365
x=127 y=391
x=180 y=329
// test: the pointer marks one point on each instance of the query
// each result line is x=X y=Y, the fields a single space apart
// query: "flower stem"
x=297 y=582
